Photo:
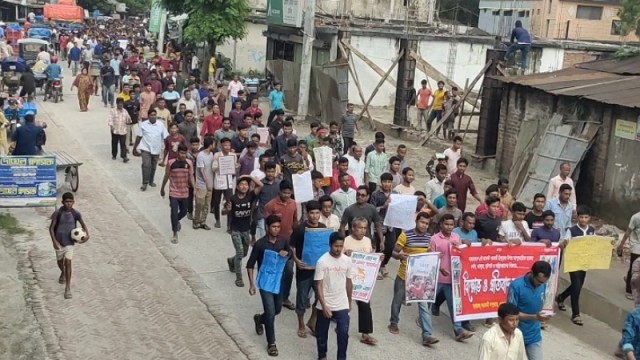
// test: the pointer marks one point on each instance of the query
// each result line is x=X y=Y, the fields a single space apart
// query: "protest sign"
x=588 y=253
x=365 y=273
x=316 y=244
x=270 y=273
x=264 y=135
x=227 y=165
x=482 y=274
x=27 y=181
x=324 y=160
x=401 y=212
x=421 y=280
x=303 y=187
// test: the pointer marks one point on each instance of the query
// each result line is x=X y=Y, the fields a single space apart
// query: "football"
x=78 y=235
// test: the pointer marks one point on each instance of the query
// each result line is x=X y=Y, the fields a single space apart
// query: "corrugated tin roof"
x=609 y=88
x=628 y=66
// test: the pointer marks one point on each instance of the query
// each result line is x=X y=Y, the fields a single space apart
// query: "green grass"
x=10 y=225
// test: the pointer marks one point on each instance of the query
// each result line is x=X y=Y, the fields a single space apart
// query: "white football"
x=78 y=235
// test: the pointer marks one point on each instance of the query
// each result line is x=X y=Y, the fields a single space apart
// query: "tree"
x=629 y=14
x=137 y=7
x=211 y=21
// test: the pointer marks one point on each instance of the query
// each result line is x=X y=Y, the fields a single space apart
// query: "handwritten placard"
x=401 y=211
x=264 y=135
x=227 y=165
x=588 y=253
x=324 y=160
x=365 y=273
x=303 y=187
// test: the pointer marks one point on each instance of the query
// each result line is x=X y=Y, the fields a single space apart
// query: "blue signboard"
x=27 y=181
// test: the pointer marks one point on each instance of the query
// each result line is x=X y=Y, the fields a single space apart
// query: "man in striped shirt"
x=416 y=241
x=179 y=173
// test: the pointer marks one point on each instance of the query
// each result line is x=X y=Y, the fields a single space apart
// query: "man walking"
x=204 y=184
x=151 y=135
x=348 y=127
x=422 y=103
x=179 y=173
x=633 y=234
x=527 y=293
x=107 y=75
x=334 y=286
x=119 y=120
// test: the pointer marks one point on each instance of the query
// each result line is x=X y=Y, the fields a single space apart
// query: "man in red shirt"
x=422 y=103
x=179 y=172
x=211 y=123
x=285 y=208
x=343 y=167
x=463 y=184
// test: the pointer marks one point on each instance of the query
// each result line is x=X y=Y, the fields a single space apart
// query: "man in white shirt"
x=334 y=286
x=356 y=165
x=453 y=154
x=435 y=186
x=195 y=62
x=553 y=191
x=44 y=56
x=149 y=140
x=188 y=101
x=515 y=231
x=234 y=86
x=504 y=341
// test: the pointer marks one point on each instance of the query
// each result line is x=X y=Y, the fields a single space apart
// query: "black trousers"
x=373 y=186
x=573 y=291
x=348 y=141
x=272 y=115
x=215 y=201
x=118 y=140
x=628 y=279
x=365 y=318
x=190 y=205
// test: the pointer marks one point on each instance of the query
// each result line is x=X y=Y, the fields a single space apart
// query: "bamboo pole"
x=354 y=75
x=371 y=64
x=382 y=80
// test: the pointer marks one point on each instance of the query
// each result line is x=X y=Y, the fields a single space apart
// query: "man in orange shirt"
x=285 y=208
x=422 y=103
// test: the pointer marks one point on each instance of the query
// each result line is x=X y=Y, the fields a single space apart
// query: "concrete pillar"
x=405 y=84
x=307 y=55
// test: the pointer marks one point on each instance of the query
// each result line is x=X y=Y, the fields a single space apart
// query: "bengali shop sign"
x=27 y=181
x=482 y=275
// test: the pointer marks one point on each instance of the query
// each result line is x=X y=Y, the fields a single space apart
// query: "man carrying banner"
x=416 y=241
x=271 y=302
x=527 y=293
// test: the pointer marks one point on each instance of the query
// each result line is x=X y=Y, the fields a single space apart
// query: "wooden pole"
x=371 y=64
x=466 y=86
x=471 y=114
x=382 y=80
x=456 y=106
x=354 y=75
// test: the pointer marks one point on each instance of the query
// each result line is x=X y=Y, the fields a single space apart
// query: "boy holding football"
x=63 y=222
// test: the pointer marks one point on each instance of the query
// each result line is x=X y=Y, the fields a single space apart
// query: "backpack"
x=76 y=217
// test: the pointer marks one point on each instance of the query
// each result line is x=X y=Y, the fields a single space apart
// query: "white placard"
x=227 y=165
x=324 y=160
x=401 y=212
x=264 y=135
x=303 y=187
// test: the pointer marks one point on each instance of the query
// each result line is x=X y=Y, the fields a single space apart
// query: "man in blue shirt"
x=25 y=138
x=527 y=293
x=276 y=99
x=562 y=208
x=54 y=72
x=74 y=56
x=467 y=231
x=546 y=234
x=520 y=40
x=108 y=84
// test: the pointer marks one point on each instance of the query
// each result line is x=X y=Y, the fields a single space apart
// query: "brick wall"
x=572 y=58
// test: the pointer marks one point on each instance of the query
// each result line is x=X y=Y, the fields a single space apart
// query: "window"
x=589 y=12
x=521 y=14
x=495 y=13
x=508 y=13
x=615 y=27
x=527 y=13
x=538 y=11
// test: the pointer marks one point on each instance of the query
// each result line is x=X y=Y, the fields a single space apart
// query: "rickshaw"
x=12 y=69
x=30 y=48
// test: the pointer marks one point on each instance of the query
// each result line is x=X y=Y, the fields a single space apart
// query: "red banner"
x=482 y=275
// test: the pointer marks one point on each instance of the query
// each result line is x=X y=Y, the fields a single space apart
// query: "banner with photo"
x=482 y=275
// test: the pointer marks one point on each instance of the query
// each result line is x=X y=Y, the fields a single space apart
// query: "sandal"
x=239 y=283
x=393 y=329
x=576 y=320
x=272 y=350
x=289 y=305
x=368 y=340
x=629 y=296
x=312 y=331
x=302 y=333
x=560 y=304
x=380 y=276
x=67 y=294
x=61 y=280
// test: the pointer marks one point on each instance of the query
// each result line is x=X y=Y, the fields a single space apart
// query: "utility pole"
x=163 y=30
x=307 y=54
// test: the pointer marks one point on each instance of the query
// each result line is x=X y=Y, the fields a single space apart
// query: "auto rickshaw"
x=30 y=47
x=12 y=69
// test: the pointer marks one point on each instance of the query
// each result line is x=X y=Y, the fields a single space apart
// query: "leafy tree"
x=629 y=14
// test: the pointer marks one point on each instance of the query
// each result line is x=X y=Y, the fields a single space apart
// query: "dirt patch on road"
x=20 y=335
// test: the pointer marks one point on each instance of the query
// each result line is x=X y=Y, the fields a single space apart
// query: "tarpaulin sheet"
x=70 y=13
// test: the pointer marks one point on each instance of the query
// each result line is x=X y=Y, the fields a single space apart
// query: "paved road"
x=141 y=296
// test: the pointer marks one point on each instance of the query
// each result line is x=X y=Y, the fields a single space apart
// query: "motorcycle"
x=54 y=90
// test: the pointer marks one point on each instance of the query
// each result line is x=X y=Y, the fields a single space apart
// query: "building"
x=12 y=10
x=497 y=17
x=595 y=20
x=599 y=104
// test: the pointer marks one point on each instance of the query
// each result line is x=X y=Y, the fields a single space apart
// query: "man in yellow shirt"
x=437 y=106
x=124 y=94
x=212 y=69
x=415 y=241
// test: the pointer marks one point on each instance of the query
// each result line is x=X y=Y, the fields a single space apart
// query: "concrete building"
x=598 y=102
x=595 y=20
x=498 y=17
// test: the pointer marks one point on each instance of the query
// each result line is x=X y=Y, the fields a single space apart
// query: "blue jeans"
x=534 y=351
x=272 y=304
x=447 y=290
x=524 y=53
x=341 y=317
x=302 y=294
x=108 y=94
x=178 y=211
x=423 y=309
